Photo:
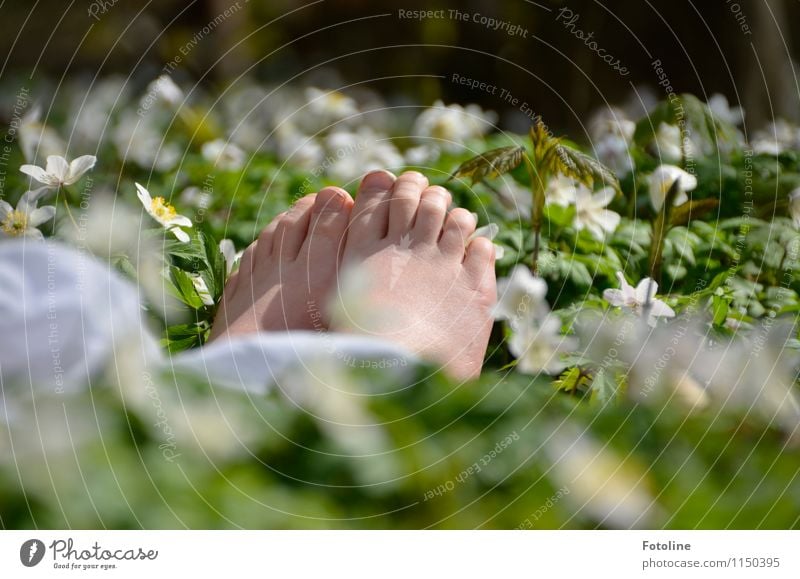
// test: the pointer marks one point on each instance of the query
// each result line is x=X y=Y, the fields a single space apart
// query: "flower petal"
x=614 y=296
x=144 y=196
x=57 y=167
x=5 y=209
x=180 y=234
x=661 y=309
x=643 y=287
x=604 y=196
x=27 y=203
x=41 y=215
x=180 y=221
x=38 y=173
x=608 y=220
x=78 y=167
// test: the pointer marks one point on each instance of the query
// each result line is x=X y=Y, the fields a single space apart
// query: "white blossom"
x=58 y=171
x=794 y=206
x=521 y=295
x=661 y=180
x=592 y=214
x=538 y=346
x=667 y=143
x=634 y=299
x=561 y=190
x=164 y=213
x=225 y=155
x=452 y=125
x=24 y=219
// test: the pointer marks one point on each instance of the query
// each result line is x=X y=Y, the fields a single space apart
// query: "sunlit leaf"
x=490 y=164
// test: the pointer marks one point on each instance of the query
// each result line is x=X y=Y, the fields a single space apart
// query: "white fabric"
x=65 y=317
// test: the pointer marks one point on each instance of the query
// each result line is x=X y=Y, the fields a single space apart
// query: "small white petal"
x=5 y=209
x=144 y=196
x=57 y=167
x=614 y=296
x=661 y=309
x=180 y=221
x=180 y=234
x=41 y=215
x=39 y=174
x=642 y=289
x=78 y=167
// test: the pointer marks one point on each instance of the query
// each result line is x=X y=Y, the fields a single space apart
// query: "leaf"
x=184 y=288
x=585 y=168
x=490 y=164
x=682 y=214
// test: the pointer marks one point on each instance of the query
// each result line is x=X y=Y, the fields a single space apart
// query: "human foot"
x=286 y=275
x=430 y=290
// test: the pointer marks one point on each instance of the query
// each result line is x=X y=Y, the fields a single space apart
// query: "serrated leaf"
x=490 y=164
x=585 y=168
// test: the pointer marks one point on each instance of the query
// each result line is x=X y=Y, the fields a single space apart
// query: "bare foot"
x=431 y=292
x=286 y=275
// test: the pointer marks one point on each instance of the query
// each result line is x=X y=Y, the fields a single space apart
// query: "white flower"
x=521 y=295
x=794 y=206
x=451 y=126
x=26 y=217
x=718 y=103
x=667 y=143
x=228 y=251
x=662 y=179
x=58 y=171
x=777 y=137
x=164 y=213
x=355 y=153
x=634 y=299
x=560 y=191
x=489 y=231
x=224 y=155
x=201 y=287
x=613 y=152
x=592 y=213
x=165 y=89
x=330 y=105
x=538 y=347
x=422 y=155
x=300 y=150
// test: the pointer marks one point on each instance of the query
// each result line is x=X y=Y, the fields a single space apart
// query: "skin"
x=429 y=288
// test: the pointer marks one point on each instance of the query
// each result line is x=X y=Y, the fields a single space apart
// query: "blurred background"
x=539 y=52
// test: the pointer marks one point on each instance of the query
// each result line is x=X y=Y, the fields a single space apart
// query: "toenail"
x=417 y=176
x=379 y=179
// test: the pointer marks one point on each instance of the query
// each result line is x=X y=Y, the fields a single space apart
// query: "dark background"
x=700 y=42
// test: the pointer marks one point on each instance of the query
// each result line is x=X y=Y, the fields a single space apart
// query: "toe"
x=293 y=228
x=261 y=249
x=458 y=226
x=431 y=214
x=479 y=266
x=329 y=218
x=369 y=219
x=404 y=203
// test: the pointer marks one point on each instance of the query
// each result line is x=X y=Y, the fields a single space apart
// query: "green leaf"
x=490 y=164
x=184 y=288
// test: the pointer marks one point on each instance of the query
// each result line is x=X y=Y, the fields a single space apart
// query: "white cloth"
x=66 y=317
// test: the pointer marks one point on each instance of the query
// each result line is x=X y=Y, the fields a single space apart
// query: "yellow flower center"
x=162 y=210
x=15 y=223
